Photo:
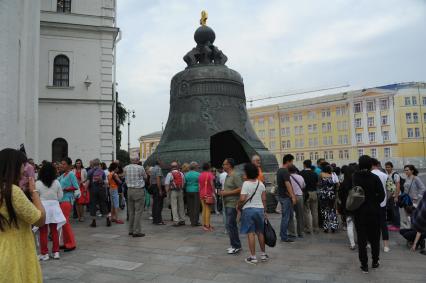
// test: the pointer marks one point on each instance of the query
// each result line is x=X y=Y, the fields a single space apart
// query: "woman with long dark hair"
x=50 y=192
x=18 y=260
x=84 y=199
x=347 y=185
x=327 y=199
x=69 y=185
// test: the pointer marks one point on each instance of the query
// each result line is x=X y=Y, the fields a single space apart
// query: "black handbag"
x=269 y=234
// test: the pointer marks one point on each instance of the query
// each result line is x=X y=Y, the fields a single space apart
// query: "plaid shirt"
x=135 y=175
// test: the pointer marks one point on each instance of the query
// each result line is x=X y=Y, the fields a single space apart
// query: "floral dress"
x=327 y=200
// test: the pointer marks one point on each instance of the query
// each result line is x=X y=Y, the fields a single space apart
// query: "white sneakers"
x=386 y=249
x=232 y=251
x=43 y=257
x=47 y=257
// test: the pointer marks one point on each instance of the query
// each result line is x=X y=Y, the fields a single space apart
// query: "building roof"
x=156 y=134
x=341 y=96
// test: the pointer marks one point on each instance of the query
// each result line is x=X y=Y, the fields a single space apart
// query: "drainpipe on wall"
x=114 y=86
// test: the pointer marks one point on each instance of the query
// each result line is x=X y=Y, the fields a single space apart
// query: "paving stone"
x=187 y=254
x=105 y=236
x=113 y=263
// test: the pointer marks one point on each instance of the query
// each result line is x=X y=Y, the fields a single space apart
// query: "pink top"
x=204 y=183
x=28 y=172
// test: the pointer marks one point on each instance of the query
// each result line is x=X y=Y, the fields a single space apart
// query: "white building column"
x=19 y=55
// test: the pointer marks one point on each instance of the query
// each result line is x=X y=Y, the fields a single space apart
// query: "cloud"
x=277 y=46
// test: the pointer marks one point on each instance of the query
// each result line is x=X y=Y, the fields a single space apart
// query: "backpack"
x=356 y=198
x=177 y=180
x=97 y=178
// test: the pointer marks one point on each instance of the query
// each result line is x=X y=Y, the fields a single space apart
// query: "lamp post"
x=130 y=114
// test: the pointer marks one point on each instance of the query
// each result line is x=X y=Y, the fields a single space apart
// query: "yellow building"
x=386 y=122
x=148 y=144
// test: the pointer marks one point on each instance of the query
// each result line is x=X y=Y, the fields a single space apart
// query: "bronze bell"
x=208 y=119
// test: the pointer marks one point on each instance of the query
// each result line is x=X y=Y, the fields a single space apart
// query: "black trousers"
x=410 y=235
x=368 y=230
x=98 y=197
x=383 y=224
x=193 y=204
x=157 y=205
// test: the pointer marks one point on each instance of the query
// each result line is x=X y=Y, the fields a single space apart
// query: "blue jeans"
x=231 y=226
x=287 y=214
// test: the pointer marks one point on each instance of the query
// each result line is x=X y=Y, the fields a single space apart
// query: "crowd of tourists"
x=316 y=198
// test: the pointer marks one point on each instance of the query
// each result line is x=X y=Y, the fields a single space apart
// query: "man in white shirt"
x=384 y=228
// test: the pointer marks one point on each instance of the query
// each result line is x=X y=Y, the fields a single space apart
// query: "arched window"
x=59 y=149
x=63 y=6
x=61 y=71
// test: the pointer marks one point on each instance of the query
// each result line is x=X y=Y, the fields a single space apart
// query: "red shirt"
x=205 y=184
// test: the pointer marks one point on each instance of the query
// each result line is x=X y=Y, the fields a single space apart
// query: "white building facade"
x=19 y=49
x=76 y=80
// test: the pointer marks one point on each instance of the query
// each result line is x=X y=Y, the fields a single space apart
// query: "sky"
x=278 y=46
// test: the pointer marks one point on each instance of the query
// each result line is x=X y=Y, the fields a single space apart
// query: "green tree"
x=121 y=114
x=123 y=157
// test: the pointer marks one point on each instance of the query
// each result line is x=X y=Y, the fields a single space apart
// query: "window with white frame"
x=316 y=155
x=358 y=107
x=424 y=100
x=326 y=155
x=285 y=118
x=408 y=118
x=285 y=131
x=415 y=117
x=285 y=144
x=371 y=106
x=387 y=152
x=272 y=133
x=271 y=119
x=345 y=139
x=346 y=154
x=417 y=132
x=424 y=117
x=358 y=123
x=61 y=71
x=297 y=157
x=324 y=127
x=384 y=120
x=358 y=137
x=414 y=100
x=385 y=135
x=370 y=121
x=384 y=104
x=297 y=116
x=311 y=115
x=302 y=156
x=373 y=152
x=407 y=101
x=63 y=6
x=261 y=121
x=314 y=128
x=311 y=142
x=311 y=155
x=371 y=136
x=360 y=152
x=340 y=154
x=261 y=134
x=410 y=133
x=331 y=155
x=325 y=112
x=272 y=145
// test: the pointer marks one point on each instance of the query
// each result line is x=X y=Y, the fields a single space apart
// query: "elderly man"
x=175 y=182
x=135 y=179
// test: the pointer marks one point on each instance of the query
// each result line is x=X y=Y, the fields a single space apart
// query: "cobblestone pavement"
x=187 y=254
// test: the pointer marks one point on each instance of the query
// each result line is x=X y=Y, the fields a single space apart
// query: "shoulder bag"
x=240 y=204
